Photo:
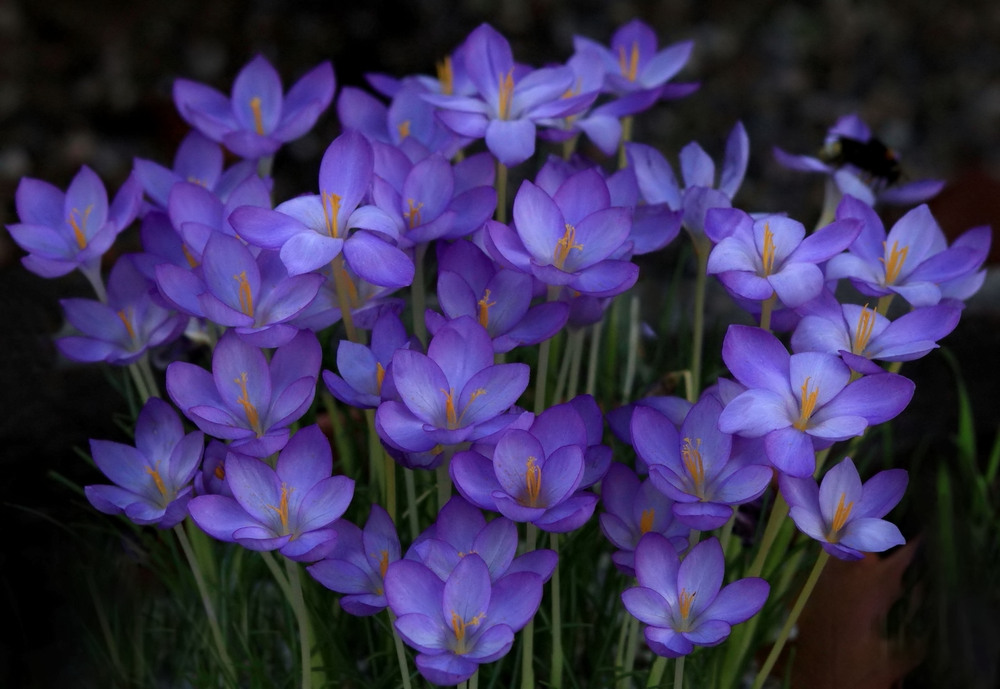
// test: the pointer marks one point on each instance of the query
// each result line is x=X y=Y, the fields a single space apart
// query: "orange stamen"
x=484 y=309
x=379 y=376
x=506 y=94
x=894 y=264
x=532 y=481
x=220 y=471
x=126 y=318
x=684 y=601
x=646 y=520
x=383 y=563
x=403 y=128
x=458 y=625
x=840 y=518
x=413 y=214
x=253 y=418
x=630 y=69
x=446 y=75
x=807 y=404
x=79 y=225
x=258 y=120
x=454 y=418
x=691 y=455
x=157 y=479
x=564 y=245
x=863 y=331
x=246 y=296
x=282 y=508
x=331 y=207
x=767 y=255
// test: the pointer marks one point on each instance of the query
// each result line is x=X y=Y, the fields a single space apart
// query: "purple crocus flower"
x=197 y=161
x=851 y=180
x=65 y=231
x=363 y=369
x=424 y=198
x=153 y=479
x=801 y=402
x=574 y=238
x=289 y=508
x=211 y=480
x=860 y=335
x=460 y=623
x=695 y=467
x=257 y=119
x=470 y=284
x=843 y=514
x=633 y=509
x=912 y=260
x=534 y=475
x=634 y=63
x=245 y=398
x=461 y=529
x=123 y=329
x=511 y=98
x=684 y=602
x=198 y=213
x=772 y=256
x=253 y=295
x=312 y=230
x=699 y=193
x=454 y=393
x=358 y=562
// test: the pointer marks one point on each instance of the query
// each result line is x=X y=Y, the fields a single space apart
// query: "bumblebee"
x=873 y=158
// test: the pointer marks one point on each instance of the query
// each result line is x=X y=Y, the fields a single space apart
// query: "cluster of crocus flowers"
x=262 y=282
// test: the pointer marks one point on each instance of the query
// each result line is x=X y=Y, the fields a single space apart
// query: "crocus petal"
x=870 y=535
x=511 y=141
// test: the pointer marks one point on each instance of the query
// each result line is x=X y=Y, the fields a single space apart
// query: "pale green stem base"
x=528 y=635
x=656 y=673
x=418 y=293
x=404 y=671
x=701 y=251
x=557 y=646
x=309 y=675
x=206 y=601
x=793 y=617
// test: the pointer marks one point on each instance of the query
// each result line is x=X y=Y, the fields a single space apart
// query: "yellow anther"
x=194 y=180
x=532 y=482
x=767 y=254
x=506 y=94
x=246 y=296
x=484 y=309
x=282 y=508
x=446 y=75
x=840 y=518
x=684 y=602
x=863 y=331
x=454 y=417
x=807 y=404
x=412 y=214
x=220 y=471
x=258 y=120
x=894 y=264
x=126 y=318
x=646 y=520
x=192 y=261
x=157 y=479
x=383 y=563
x=403 y=128
x=331 y=208
x=449 y=408
x=379 y=376
x=564 y=245
x=459 y=626
x=78 y=221
x=253 y=418
x=691 y=455
x=630 y=68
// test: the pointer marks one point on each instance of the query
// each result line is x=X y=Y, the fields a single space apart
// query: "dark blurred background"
x=90 y=83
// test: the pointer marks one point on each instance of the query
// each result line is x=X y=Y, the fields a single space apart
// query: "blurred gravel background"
x=89 y=82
